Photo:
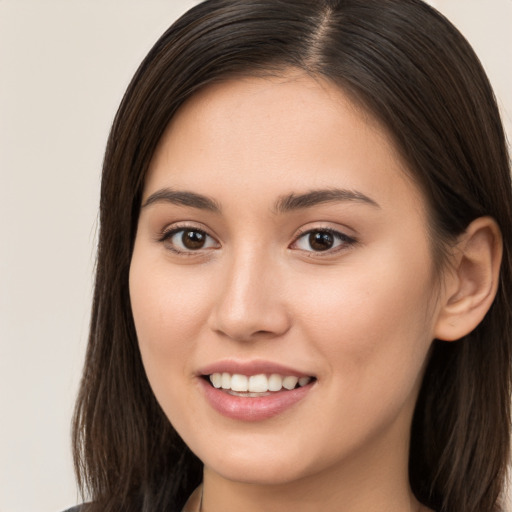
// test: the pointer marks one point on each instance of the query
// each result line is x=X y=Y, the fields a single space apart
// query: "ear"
x=471 y=285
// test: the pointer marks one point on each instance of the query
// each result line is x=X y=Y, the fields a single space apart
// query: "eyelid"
x=169 y=231
x=347 y=241
x=185 y=224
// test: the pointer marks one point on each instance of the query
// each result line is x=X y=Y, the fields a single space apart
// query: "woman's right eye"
x=187 y=240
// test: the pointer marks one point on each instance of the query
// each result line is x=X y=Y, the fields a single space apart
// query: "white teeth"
x=304 y=380
x=216 y=380
x=256 y=383
x=275 y=382
x=290 y=382
x=239 y=382
x=226 y=381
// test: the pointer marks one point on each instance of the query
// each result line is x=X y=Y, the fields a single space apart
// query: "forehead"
x=268 y=134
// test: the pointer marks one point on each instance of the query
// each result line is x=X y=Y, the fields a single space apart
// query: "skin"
x=359 y=317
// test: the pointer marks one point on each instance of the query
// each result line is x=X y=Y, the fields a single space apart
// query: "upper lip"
x=251 y=368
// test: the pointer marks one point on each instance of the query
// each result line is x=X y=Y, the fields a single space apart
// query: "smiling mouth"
x=256 y=385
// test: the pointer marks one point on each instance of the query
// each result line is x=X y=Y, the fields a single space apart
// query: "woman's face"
x=281 y=237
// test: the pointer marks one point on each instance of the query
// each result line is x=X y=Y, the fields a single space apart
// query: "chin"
x=258 y=463
x=258 y=473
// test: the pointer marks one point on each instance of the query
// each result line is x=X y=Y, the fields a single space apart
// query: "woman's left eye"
x=322 y=240
x=182 y=240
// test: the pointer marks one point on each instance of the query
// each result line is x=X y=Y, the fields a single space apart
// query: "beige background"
x=64 y=66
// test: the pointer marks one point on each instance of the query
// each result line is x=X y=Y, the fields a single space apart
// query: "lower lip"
x=253 y=408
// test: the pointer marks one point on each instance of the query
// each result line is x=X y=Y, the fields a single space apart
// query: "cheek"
x=167 y=306
x=169 y=313
x=374 y=322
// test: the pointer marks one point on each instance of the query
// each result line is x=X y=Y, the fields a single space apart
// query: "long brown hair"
x=415 y=73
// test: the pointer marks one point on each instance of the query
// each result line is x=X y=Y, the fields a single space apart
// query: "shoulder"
x=78 y=508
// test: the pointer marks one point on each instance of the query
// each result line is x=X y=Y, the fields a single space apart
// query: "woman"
x=302 y=296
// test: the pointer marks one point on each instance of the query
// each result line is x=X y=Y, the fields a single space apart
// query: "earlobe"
x=473 y=281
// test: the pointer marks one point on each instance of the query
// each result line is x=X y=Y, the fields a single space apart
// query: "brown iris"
x=193 y=239
x=321 y=240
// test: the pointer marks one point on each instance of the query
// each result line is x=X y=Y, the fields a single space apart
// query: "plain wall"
x=64 y=66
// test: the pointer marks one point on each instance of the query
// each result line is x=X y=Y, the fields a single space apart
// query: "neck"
x=296 y=498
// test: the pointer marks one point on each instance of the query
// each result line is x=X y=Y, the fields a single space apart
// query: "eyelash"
x=167 y=236
x=344 y=241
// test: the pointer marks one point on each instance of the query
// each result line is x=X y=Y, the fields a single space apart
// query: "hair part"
x=414 y=72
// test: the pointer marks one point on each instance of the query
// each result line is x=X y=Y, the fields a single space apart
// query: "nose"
x=250 y=303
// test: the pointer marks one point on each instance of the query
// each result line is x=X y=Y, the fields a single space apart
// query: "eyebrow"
x=284 y=204
x=183 y=198
x=293 y=202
